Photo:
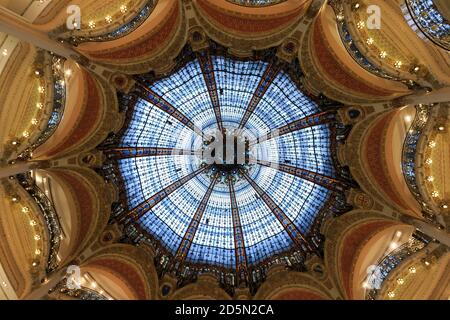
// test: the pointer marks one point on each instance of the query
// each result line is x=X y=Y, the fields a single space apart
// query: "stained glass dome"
x=227 y=214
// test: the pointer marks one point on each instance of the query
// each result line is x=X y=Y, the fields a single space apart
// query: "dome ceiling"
x=227 y=164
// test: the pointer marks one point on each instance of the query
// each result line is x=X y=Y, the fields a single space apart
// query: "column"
x=423 y=97
x=430 y=230
x=22 y=29
x=20 y=167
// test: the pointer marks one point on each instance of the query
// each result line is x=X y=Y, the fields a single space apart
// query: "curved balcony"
x=256 y=3
x=358 y=56
x=410 y=160
x=58 y=101
x=382 y=269
x=426 y=20
x=111 y=32
x=80 y=294
x=49 y=215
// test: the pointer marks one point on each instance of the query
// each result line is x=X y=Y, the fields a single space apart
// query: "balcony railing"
x=256 y=3
x=75 y=37
x=426 y=20
x=389 y=262
x=58 y=104
x=82 y=294
x=410 y=158
x=49 y=215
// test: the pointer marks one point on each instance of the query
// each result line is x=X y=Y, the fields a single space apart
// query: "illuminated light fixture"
x=108 y=19
x=430 y=178
x=412 y=269
x=41 y=89
x=75 y=24
x=68 y=72
x=123 y=8
x=33 y=223
x=340 y=17
x=391 y=294
x=435 y=194
x=429 y=161
x=91 y=24
x=25 y=209
x=393 y=245
x=400 y=281
x=432 y=144
x=39 y=105
x=37 y=72
x=94 y=285
x=365 y=285
x=383 y=54
x=4 y=284
x=15 y=199
x=102 y=292
x=26 y=134
x=398 y=64
x=444 y=206
x=37 y=237
x=37 y=252
x=5 y=52
x=427 y=263
x=369 y=41
x=361 y=24
x=441 y=128
x=408 y=118
x=356 y=5
x=415 y=69
x=14 y=142
x=34 y=264
x=34 y=121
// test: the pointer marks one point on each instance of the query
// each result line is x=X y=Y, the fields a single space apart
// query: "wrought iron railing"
x=409 y=157
x=82 y=294
x=58 y=105
x=50 y=217
x=75 y=37
x=256 y=3
x=425 y=19
x=388 y=263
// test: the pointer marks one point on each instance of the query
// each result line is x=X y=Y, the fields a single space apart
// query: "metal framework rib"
x=306 y=122
x=264 y=84
x=210 y=80
x=239 y=244
x=287 y=224
x=148 y=204
x=154 y=98
x=314 y=177
x=188 y=237
x=125 y=153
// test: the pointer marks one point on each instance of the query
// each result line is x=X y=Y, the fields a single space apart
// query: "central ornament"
x=228 y=154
